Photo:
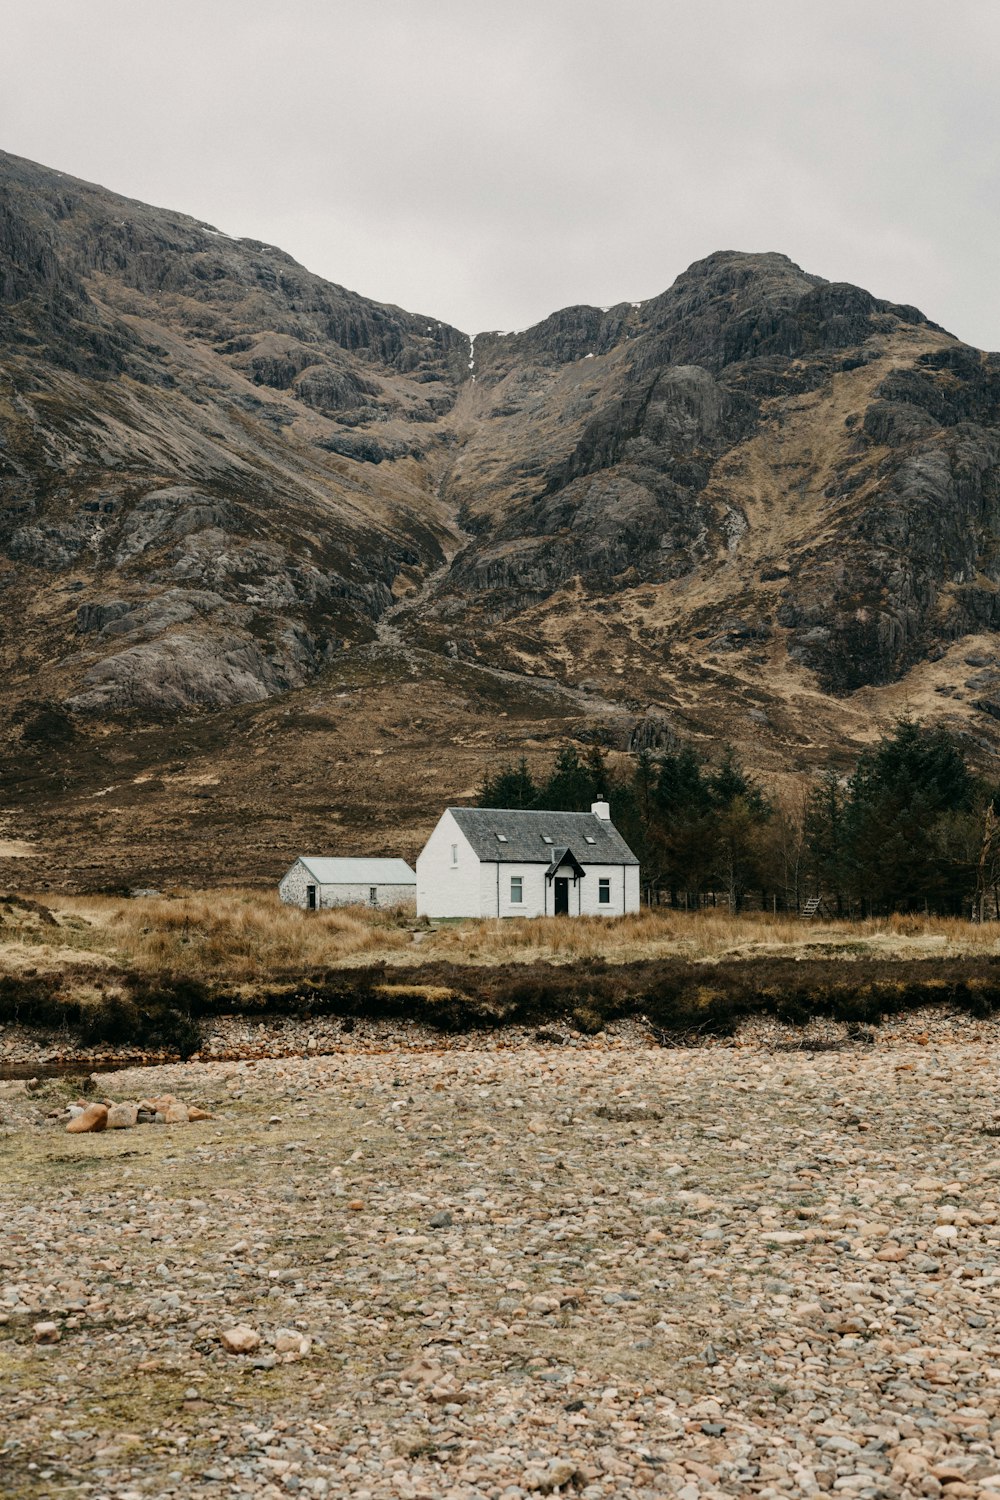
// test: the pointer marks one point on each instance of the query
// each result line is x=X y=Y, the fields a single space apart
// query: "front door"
x=562 y=896
x=311 y=897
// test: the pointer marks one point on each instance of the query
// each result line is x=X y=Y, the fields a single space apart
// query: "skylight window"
x=546 y=839
x=502 y=838
x=589 y=839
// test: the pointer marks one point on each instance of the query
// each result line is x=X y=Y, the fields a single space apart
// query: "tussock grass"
x=705 y=936
x=246 y=937
x=238 y=936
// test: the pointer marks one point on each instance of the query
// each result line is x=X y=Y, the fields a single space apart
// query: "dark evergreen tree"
x=681 y=788
x=825 y=839
x=512 y=786
x=570 y=788
x=907 y=833
x=908 y=830
x=730 y=783
x=682 y=834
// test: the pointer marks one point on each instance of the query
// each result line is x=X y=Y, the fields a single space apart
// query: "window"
x=604 y=892
x=589 y=839
x=501 y=838
x=516 y=889
x=373 y=894
x=546 y=839
x=454 y=855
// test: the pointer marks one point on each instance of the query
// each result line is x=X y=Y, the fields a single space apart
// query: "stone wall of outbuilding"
x=293 y=887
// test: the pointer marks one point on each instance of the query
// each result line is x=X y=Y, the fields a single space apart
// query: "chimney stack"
x=601 y=810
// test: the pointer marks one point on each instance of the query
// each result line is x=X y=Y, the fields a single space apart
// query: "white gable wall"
x=446 y=888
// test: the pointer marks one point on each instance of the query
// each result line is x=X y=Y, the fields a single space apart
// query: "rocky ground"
x=598 y=1269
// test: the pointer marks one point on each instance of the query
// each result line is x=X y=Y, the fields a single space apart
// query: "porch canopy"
x=562 y=857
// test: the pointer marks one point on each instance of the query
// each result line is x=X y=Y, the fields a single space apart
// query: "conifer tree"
x=512 y=786
x=899 y=794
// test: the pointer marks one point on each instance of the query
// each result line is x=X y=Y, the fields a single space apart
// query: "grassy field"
x=244 y=937
x=154 y=974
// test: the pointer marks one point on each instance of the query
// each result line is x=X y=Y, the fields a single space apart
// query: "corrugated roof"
x=359 y=871
x=592 y=839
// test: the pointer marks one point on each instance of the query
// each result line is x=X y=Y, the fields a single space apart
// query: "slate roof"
x=524 y=836
x=359 y=871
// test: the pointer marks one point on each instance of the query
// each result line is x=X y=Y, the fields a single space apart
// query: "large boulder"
x=94 y=1117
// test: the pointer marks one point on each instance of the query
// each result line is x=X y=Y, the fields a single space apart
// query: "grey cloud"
x=489 y=163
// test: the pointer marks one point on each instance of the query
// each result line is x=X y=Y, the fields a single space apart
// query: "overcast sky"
x=489 y=163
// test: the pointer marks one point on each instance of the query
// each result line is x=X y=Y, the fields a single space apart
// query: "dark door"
x=562 y=896
x=311 y=897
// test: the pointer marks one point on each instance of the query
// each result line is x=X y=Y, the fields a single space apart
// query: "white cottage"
x=317 y=883
x=503 y=862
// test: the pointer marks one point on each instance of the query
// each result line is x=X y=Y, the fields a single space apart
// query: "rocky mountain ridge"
x=761 y=504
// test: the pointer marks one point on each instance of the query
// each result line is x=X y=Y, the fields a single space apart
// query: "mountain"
x=282 y=566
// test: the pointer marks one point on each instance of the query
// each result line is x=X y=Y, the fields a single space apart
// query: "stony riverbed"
x=598 y=1270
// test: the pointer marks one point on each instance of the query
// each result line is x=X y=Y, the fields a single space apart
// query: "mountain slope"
x=180 y=416
x=238 y=502
x=811 y=459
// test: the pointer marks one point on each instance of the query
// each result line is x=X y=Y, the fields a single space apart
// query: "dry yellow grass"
x=231 y=934
x=244 y=936
x=704 y=936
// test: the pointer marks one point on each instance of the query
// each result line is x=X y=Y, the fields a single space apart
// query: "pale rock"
x=557 y=1473
x=422 y=1372
x=159 y=1104
x=122 y=1116
x=808 y=1312
x=292 y=1343
x=240 y=1339
x=544 y=1304
x=94 y=1117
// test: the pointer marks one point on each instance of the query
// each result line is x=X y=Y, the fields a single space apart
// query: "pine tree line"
x=910 y=829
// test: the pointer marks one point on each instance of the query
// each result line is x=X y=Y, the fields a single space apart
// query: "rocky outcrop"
x=218 y=472
x=892 y=551
x=925 y=564
x=186 y=670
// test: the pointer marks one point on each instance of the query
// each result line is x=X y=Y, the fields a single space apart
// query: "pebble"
x=291 y=1341
x=713 y=1287
x=240 y=1339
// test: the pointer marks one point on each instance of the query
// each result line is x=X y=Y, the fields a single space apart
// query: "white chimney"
x=601 y=810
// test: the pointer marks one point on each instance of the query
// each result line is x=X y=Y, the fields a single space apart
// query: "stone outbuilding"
x=503 y=862
x=316 y=884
